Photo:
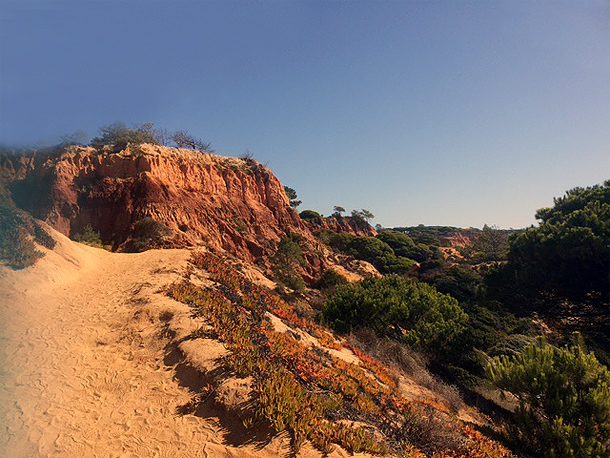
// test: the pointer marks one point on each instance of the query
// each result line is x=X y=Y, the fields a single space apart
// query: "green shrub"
x=120 y=135
x=331 y=279
x=457 y=280
x=311 y=216
x=369 y=249
x=240 y=225
x=404 y=246
x=89 y=237
x=17 y=249
x=511 y=345
x=286 y=260
x=400 y=308
x=564 y=260
x=18 y=231
x=42 y=237
x=148 y=234
x=564 y=400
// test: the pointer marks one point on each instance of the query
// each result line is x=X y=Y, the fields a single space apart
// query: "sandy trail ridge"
x=85 y=367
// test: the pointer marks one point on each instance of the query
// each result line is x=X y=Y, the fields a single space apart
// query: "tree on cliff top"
x=183 y=139
x=363 y=214
x=120 y=135
x=292 y=196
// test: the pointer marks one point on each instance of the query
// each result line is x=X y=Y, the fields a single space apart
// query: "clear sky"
x=424 y=112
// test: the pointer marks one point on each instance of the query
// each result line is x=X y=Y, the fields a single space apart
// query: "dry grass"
x=397 y=355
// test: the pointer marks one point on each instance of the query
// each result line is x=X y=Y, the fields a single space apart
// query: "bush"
x=17 y=249
x=183 y=139
x=331 y=279
x=311 y=216
x=564 y=260
x=286 y=260
x=400 y=308
x=120 y=135
x=89 y=237
x=458 y=281
x=148 y=234
x=18 y=231
x=564 y=400
x=404 y=246
x=369 y=249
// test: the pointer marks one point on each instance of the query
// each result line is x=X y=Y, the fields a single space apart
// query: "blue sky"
x=436 y=112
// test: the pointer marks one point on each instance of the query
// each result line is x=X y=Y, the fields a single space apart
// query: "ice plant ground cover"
x=308 y=392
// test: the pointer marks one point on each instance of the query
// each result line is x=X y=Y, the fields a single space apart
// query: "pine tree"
x=564 y=400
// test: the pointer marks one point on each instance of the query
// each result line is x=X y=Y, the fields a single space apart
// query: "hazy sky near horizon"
x=447 y=112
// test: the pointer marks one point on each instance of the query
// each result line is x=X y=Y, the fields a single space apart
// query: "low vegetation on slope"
x=475 y=311
x=512 y=289
x=401 y=308
x=18 y=232
x=308 y=390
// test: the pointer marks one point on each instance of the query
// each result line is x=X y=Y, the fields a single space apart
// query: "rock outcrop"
x=459 y=239
x=232 y=205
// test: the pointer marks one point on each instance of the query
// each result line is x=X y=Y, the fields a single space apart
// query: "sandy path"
x=82 y=370
x=85 y=366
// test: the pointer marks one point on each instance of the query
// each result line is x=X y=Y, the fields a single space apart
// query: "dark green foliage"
x=148 y=234
x=311 y=216
x=292 y=197
x=404 y=246
x=428 y=235
x=459 y=281
x=379 y=254
x=363 y=214
x=286 y=260
x=42 y=237
x=89 y=237
x=491 y=245
x=511 y=345
x=331 y=279
x=425 y=238
x=17 y=249
x=289 y=251
x=400 y=308
x=240 y=225
x=560 y=268
x=370 y=249
x=564 y=400
x=18 y=230
x=337 y=211
x=120 y=135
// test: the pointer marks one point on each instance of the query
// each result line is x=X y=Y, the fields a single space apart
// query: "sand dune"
x=85 y=367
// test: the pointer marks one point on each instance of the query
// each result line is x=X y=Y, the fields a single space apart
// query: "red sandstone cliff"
x=223 y=203
x=459 y=239
x=233 y=204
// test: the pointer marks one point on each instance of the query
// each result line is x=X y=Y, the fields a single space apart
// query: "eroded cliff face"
x=459 y=239
x=232 y=204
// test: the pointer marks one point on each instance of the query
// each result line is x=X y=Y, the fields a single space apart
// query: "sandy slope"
x=85 y=370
